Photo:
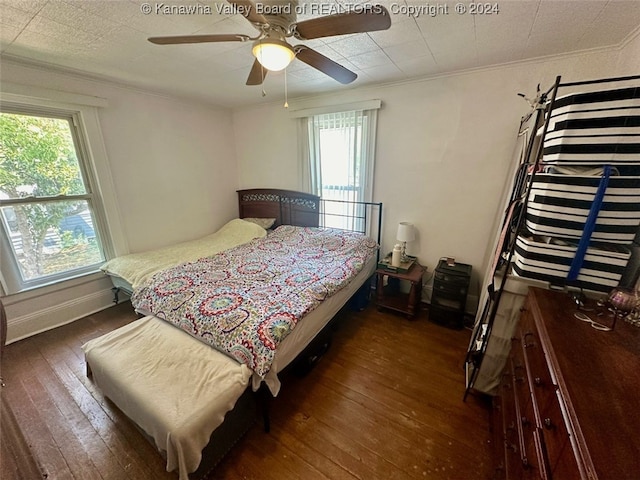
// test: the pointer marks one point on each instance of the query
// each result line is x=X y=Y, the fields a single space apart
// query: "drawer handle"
x=524 y=337
x=524 y=420
x=548 y=424
x=538 y=382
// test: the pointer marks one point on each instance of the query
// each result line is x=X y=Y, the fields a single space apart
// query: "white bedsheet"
x=136 y=267
x=176 y=389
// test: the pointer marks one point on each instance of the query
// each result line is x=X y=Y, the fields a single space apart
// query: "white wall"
x=629 y=58
x=173 y=166
x=443 y=149
x=174 y=174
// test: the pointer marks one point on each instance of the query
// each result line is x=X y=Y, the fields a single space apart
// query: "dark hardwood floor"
x=385 y=402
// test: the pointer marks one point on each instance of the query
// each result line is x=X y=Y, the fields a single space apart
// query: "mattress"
x=176 y=389
x=550 y=260
x=559 y=206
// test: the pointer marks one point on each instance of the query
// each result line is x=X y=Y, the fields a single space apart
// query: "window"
x=339 y=163
x=48 y=210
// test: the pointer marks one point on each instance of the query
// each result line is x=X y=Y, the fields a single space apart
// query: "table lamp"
x=406 y=233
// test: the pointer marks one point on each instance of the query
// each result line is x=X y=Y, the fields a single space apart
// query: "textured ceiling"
x=108 y=39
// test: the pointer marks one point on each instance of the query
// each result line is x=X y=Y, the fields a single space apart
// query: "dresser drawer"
x=449 y=279
x=523 y=391
x=516 y=463
x=566 y=465
x=532 y=460
x=451 y=289
x=541 y=384
x=447 y=300
x=508 y=405
x=554 y=432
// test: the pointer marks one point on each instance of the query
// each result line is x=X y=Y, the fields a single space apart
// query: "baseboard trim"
x=58 y=315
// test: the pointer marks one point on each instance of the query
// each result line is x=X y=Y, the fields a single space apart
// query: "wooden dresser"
x=568 y=406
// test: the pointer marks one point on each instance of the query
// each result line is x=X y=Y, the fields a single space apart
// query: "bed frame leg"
x=264 y=401
x=116 y=291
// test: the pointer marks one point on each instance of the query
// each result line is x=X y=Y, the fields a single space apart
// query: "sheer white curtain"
x=338 y=155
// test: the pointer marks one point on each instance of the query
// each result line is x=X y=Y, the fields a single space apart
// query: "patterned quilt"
x=246 y=300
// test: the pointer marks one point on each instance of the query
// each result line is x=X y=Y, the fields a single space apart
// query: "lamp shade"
x=273 y=54
x=406 y=232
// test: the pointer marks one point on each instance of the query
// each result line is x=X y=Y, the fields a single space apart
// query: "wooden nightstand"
x=396 y=300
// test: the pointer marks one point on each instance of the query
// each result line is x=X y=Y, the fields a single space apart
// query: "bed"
x=132 y=365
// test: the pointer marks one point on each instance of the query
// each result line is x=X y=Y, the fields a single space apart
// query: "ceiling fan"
x=276 y=21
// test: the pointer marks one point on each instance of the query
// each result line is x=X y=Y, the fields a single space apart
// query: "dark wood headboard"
x=286 y=206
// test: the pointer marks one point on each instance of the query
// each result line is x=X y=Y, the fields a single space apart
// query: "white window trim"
x=85 y=108
x=29 y=95
x=344 y=107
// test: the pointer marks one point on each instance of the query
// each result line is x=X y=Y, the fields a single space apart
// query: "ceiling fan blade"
x=369 y=19
x=249 y=11
x=178 y=39
x=324 y=64
x=257 y=74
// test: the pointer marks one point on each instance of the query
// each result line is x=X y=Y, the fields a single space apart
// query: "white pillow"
x=265 y=223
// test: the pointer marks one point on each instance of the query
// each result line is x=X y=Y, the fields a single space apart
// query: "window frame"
x=364 y=127
x=88 y=142
x=303 y=116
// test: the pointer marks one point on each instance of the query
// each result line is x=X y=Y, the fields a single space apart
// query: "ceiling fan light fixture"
x=273 y=54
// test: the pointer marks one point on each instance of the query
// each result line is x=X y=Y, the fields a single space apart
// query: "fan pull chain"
x=286 y=91
x=264 y=92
